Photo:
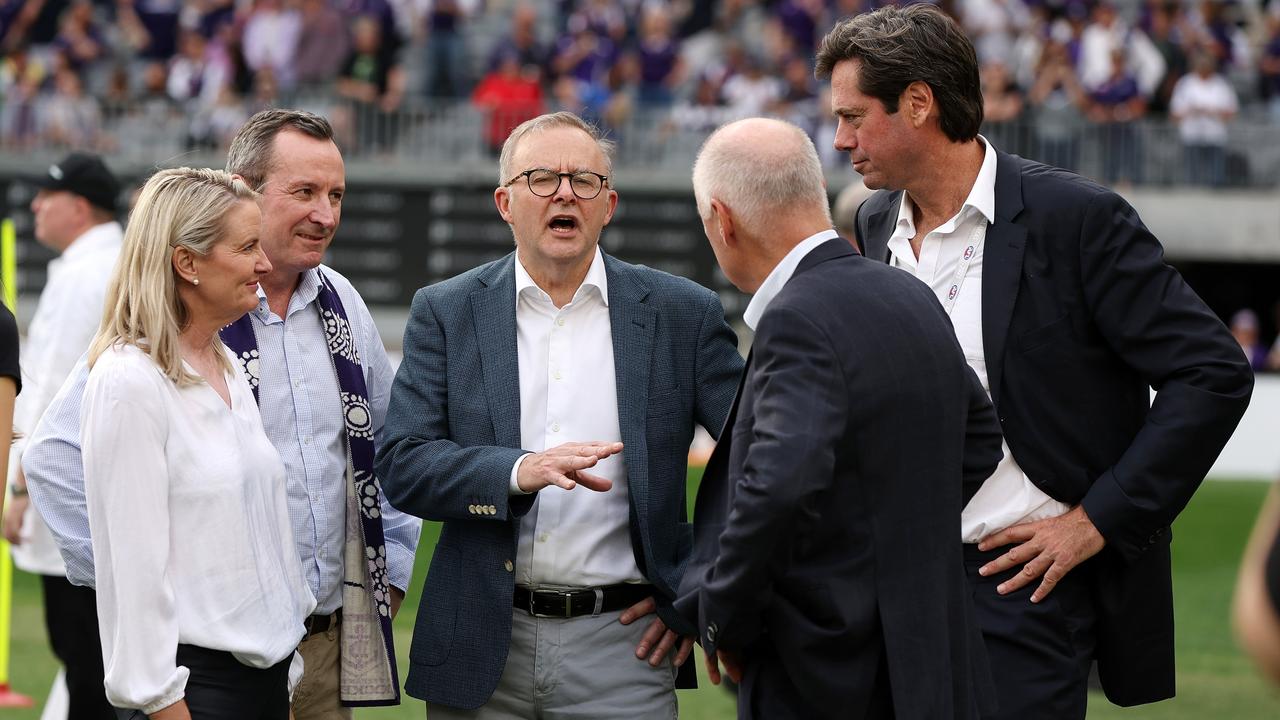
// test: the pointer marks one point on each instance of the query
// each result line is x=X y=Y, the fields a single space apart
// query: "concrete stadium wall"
x=1254 y=451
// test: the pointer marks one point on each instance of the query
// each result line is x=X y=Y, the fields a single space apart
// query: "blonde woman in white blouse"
x=201 y=597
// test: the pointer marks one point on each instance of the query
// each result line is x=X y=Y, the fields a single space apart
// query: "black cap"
x=85 y=175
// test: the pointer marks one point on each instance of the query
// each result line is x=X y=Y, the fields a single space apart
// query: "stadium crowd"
x=105 y=74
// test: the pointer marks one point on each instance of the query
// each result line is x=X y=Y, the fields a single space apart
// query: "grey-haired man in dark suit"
x=544 y=412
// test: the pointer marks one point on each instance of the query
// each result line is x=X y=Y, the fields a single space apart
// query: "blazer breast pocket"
x=1045 y=334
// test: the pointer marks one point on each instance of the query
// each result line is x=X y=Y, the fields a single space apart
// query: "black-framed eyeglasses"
x=586 y=185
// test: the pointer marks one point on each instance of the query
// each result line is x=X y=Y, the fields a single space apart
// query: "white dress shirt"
x=64 y=324
x=190 y=527
x=779 y=276
x=571 y=538
x=1008 y=497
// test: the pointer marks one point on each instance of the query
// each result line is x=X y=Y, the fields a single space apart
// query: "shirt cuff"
x=515 y=470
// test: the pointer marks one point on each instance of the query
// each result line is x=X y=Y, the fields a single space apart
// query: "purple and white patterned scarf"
x=368 y=660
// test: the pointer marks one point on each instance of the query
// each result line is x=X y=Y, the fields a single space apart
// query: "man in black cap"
x=74 y=213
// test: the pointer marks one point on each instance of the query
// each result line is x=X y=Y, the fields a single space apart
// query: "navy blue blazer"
x=453 y=434
x=826 y=522
x=1080 y=318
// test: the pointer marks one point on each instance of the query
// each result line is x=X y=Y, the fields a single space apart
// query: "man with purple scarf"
x=320 y=373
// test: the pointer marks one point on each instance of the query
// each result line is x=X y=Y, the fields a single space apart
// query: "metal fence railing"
x=447 y=139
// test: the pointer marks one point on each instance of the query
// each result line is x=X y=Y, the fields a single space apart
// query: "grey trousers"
x=582 y=668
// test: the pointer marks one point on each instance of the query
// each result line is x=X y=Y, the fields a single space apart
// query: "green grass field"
x=1214 y=679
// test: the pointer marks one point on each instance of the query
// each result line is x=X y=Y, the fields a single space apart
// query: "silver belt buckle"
x=568 y=603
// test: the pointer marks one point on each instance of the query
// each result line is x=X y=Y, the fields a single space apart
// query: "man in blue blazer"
x=544 y=411
x=1064 y=305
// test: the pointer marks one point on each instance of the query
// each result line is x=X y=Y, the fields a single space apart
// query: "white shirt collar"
x=779 y=276
x=308 y=290
x=982 y=198
x=596 y=278
x=99 y=237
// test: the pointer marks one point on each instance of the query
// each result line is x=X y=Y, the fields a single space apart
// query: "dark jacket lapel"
x=494 y=314
x=1001 y=268
x=882 y=214
x=632 y=324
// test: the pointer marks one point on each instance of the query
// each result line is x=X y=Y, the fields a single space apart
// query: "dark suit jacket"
x=826 y=522
x=453 y=434
x=1080 y=317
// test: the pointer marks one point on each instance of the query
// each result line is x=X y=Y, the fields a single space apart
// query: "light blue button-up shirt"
x=302 y=414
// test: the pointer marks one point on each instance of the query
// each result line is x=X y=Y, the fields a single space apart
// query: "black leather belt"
x=575 y=603
x=316 y=624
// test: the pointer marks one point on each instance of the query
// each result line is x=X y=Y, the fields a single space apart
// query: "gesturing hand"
x=657 y=640
x=564 y=466
x=1050 y=547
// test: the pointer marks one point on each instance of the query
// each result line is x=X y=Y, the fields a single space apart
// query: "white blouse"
x=190 y=528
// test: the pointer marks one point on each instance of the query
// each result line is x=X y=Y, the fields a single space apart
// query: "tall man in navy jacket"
x=544 y=411
x=1062 y=302
x=825 y=562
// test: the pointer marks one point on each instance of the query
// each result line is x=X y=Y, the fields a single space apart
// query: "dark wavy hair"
x=898 y=46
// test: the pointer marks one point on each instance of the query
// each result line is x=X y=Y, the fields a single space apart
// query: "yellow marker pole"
x=9 y=280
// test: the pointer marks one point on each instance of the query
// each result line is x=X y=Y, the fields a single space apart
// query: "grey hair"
x=252 y=152
x=762 y=181
x=547 y=122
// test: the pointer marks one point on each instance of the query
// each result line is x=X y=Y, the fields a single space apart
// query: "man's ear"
x=502 y=199
x=917 y=102
x=724 y=221
x=184 y=263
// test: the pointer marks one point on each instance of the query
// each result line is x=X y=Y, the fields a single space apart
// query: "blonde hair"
x=181 y=207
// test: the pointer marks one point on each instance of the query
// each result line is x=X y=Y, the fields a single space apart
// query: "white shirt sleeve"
x=124 y=427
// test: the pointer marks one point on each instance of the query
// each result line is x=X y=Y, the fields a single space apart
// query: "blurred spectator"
x=1001 y=98
x=373 y=85
x=1058 y=101
x=508 y=95
x=1244 y=328
x=149 y=27
x=1214 y=23
x=1116 y=105
x=798 y=103
x=584 y=55
x=703 y=112
x=1002 y=104
x=661 y=69
x=146 y=118
x=1103 y=36
x=322 y=43
x=751 y=91
x=78 y=37
x=605 y=18
x=192 y=79
x=1273 y=355
x=1166 y=40
x=68 y=118
x=619 y=95
x=1269 y=67
x=270 y=40
x=522 y=40
x=447 y=47
x=20 y=81
x=29 y=22
x=1202 y=105
x=799 y=20
x=994 y=26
